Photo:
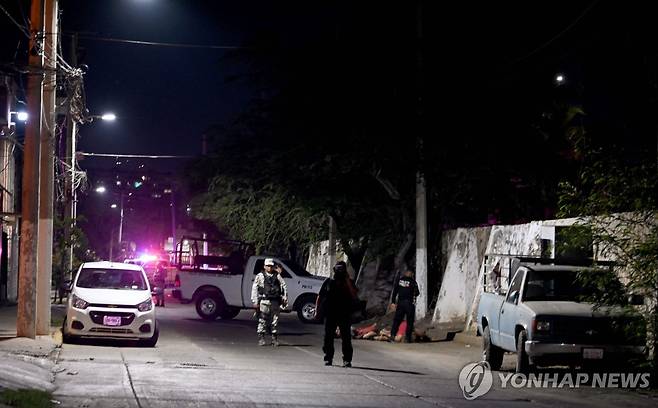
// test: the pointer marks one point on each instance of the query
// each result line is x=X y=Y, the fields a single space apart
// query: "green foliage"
x=63 y=236
x=616 y=202
x=267 y=216
x=26 y=398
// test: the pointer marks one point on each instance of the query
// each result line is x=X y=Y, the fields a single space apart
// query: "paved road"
x=217 y=364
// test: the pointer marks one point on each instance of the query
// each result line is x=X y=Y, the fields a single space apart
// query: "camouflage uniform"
x=269 y=309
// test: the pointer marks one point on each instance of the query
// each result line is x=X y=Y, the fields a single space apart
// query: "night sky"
x=489 y=67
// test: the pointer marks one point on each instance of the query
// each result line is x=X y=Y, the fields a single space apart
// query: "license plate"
x=112 y=320
x=592 y=353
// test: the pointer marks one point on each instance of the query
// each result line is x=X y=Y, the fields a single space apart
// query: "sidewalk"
x=27 y=363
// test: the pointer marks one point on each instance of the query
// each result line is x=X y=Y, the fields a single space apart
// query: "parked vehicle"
x=544 y=319
x=110 y=299
x=217 y=275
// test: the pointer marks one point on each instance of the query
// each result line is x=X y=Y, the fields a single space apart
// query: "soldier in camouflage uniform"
x=268 y=294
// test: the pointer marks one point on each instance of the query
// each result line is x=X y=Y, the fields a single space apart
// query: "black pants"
x=330 y=324
x=408 y=309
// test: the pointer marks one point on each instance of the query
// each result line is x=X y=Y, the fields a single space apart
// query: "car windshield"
x=296 y=268
x=575 y=286
x=111 y=279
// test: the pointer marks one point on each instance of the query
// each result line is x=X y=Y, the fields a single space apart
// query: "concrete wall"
x=463 y=250
x=319 y=259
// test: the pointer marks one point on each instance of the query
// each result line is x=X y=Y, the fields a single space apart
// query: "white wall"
x=464 y=250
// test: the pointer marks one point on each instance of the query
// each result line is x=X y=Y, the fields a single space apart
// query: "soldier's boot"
x=275 y=340
x=261 y=340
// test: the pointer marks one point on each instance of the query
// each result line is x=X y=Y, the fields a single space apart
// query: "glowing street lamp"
x=113 y=206
x=101 y=189
x=559 y=79
x=108 y=117
x=21 y=116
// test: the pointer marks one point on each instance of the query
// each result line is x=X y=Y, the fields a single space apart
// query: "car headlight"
x=542 y=325
x=79 y=303
x=145 y=306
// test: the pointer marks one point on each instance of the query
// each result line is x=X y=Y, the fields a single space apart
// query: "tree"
x=616 y=203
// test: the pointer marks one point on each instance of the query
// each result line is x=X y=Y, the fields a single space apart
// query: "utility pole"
x=332 y=243
x=71 y=134
x=121 y=220
x=173 y=219
x=26 y=315
x=47 y=170
x=421 y=192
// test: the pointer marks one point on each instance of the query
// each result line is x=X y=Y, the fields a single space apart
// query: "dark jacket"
x=337 y=298
x=406 y=290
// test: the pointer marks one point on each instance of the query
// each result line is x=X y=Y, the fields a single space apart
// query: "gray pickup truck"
x=543 y=319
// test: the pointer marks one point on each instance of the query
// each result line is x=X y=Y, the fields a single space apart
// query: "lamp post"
x=106 y=117
x=102 y=190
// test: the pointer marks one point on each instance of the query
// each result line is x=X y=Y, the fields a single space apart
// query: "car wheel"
x=229 y=312
x=208 y=305
x=153 y=340
x=306 y=310
x=66 y=337
x=522 y=359
x=490 y=353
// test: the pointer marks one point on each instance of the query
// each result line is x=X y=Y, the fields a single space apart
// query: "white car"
x=110 y=299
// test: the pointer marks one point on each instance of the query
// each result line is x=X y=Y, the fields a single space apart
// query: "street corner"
x=41 y=347
x=22 y=371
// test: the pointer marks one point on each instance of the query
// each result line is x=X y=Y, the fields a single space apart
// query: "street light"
x=113 y=206
x=101 y=189
x=21 y=116
x=559 y=79
x=74 y=197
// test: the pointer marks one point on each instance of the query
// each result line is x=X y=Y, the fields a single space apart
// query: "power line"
x=22 y=28
x=558 y=35
x=133 y=156
x=158 y=44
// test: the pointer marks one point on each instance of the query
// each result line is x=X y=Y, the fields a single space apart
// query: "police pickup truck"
x=217 y=275
x=544 y=319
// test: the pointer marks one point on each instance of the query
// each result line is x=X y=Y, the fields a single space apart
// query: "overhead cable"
x=158 y=44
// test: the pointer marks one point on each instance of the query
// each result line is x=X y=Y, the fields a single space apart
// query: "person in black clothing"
x=404 y=303
x=335 y=303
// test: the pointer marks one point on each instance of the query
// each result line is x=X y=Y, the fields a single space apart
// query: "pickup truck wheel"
x=306 y=310
x=229 y=312
x=522 y=360
x=208 y=305
x=490 y=353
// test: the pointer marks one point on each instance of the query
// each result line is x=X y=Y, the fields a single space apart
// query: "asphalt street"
x=218 y=364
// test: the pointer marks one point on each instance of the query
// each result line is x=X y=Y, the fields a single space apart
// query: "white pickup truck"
x=544 y=319
x=220 y=286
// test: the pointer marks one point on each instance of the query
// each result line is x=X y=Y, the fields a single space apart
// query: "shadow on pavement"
x=387 y=370
x=296 y=345
x=86 y=341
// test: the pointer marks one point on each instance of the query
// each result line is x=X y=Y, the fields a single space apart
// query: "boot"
x=261 y=340
x=275 y=340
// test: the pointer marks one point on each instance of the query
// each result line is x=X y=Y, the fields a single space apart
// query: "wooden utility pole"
x=421 y=192
x=47 y=170
x=26 y=317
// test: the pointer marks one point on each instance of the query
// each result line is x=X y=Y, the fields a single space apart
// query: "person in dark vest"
x=403 y=302
x=158 y=285
x=268 y=294
x=335 y=303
